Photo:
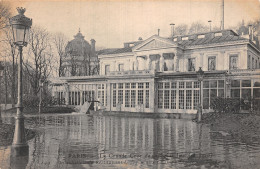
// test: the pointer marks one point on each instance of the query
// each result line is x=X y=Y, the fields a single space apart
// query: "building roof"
x=210 y=40
x=115 y=51
x=213 y=37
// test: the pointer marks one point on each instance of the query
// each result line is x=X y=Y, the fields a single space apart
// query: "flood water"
x=82 y=141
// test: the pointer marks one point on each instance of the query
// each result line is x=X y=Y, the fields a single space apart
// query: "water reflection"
x=80 y=141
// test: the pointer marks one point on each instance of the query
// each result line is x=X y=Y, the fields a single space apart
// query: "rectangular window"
x=127 y=98
x=147 y=85
x=140 y=97
x=212 y=63
x=120 y=96
x=196 y=84
x=133 y=85
x=103 y=97
x=166 y=99
x=196 y=97
x=246 y=83
x=181 y=99
x=127 y=85
x=233 y=62
x=173 y=99
x=114 y=85
x=173 y=85
x=181 y=84
x=211 y=90
x=160 y=85
x=147 y=98
x=167 y=85
x=121 y=67
x=120 y=85
x=114 y=98
x=107 y=69
x=140 y=85
x=188 y=99
x=160 y=99
x=188 y=84
x=133 y=98
x=191 y=64
x=235 y=83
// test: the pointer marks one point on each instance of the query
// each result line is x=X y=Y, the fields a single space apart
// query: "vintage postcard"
x=129 y=84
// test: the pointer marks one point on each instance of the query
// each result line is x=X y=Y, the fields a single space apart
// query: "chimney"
x=172 y=29
x=93 y=45
x=209 y=25
x=158 y=32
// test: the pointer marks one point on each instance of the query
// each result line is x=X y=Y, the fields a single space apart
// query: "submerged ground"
x=83 y=141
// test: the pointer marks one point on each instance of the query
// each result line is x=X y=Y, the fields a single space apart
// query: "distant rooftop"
x=207 y=38
x=185 y=40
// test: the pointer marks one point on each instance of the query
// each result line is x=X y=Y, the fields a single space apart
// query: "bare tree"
x=38 y=65
x=198 y=27
x=5 y=13
x=181 y=29
x=9 y=52
x=60 y=41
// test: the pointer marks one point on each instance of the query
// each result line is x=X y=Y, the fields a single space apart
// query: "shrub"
x=226 y=105
x=33 y=101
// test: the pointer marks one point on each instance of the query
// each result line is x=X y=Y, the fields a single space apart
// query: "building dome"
x=78 y=46
x=80 y=57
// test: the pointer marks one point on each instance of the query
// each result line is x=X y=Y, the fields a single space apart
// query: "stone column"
x=81 y=98
x=101 y=70
x=136 y=63
x=148 y=63
x=115 y=66
x=176 y=63
x=225 y=61
x=201 y=64
x=161 y=63
x=243 y=60
x=67 y=94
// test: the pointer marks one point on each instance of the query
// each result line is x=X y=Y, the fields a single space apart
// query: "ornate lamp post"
x=200 y=75
x=1 y=75
x=20 y=26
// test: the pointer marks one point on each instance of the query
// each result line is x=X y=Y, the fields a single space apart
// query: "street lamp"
x=200 y=75
x=20 y=26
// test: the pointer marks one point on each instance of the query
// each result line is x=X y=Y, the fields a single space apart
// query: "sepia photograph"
x=129 y=84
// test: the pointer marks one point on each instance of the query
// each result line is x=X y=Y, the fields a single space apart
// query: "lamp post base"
x=19 y=146
x=199 y=114
x=20 y=150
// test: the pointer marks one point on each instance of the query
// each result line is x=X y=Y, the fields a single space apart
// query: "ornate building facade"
x=80 y=58
x=159 y=74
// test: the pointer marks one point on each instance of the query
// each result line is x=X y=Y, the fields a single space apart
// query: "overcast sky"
x=115 y=22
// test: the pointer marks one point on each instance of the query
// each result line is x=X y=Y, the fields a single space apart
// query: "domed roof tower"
x=80 y=57
x=78 y=46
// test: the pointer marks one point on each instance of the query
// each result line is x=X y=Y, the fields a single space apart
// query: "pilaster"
x=161 y=62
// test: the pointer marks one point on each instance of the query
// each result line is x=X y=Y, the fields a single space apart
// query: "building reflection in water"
x=81 y=141
x=84 y=140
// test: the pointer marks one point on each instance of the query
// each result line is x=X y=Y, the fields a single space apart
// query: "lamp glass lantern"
x=20 y=25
